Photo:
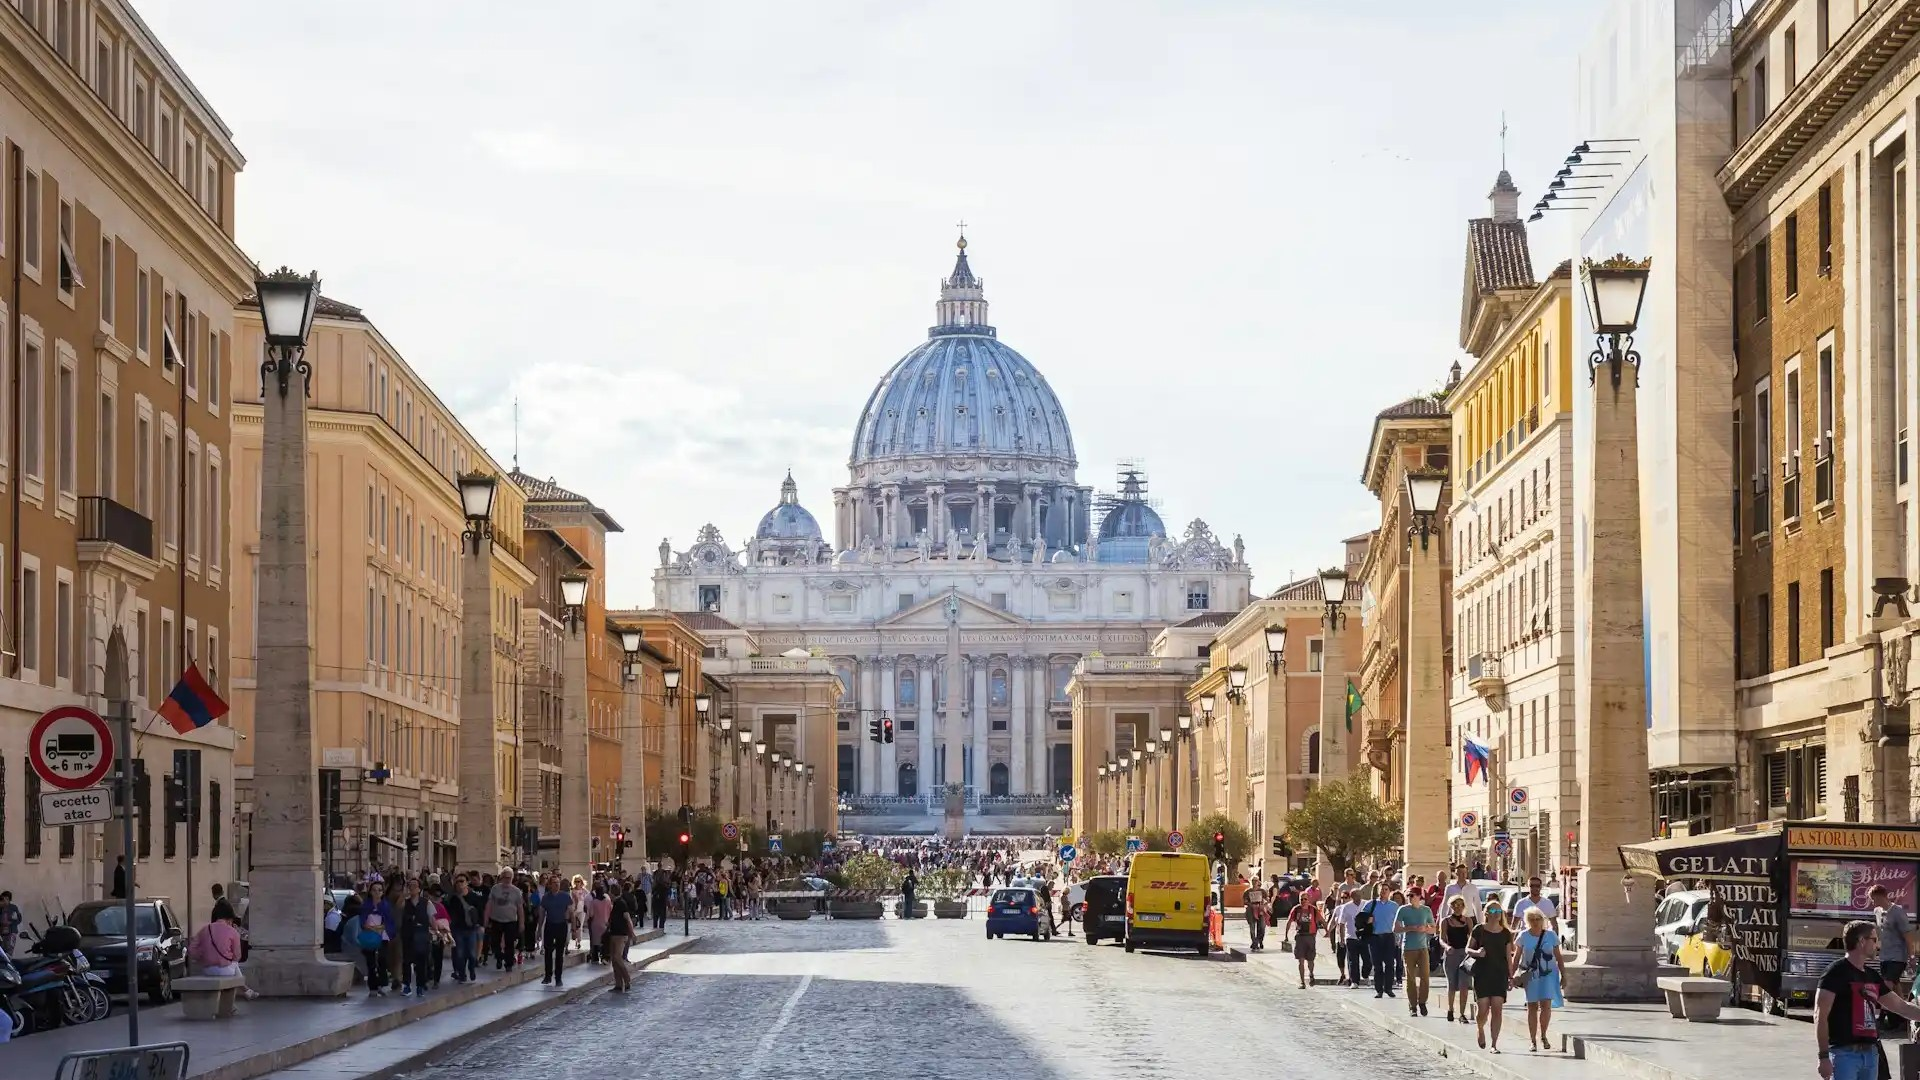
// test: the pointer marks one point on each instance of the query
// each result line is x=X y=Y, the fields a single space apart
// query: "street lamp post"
x=286 y=879
x=576 y=806
x=1610 y=692
x=1333 y=693
x=1427 y=810
x=477 y=834
x=1184 y=734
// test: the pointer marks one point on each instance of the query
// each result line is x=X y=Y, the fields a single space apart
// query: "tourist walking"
x=505 y=910
x=1304 y=924
x=556 y=909
x=1455 y=931
x=619 y=933
x=1847 y=1007
x=1385 y=945
x=1490 y=947
x=1539 y=959
x=1415 y=921
x=1255 y=901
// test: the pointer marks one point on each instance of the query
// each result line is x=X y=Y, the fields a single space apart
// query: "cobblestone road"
x=932 y=1000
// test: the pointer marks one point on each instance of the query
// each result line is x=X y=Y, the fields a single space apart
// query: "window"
x=30 y=238
x=1790 y=451
x=1197 y=596
x=1793 y=255
x=1316 y=655
x=1826 y=609
x=215 y=499
x=1763 y=614
x=137 y=665
x=62 y=630
x=905 y=601
x=33 y=409
x=1789 y=57
x=1762 y=456
x=1822 y=28
x=1823 y=230
x=108 y=294
x=1757 y=93
x=192 y=509
x=190 y=326
x=213 y=369
x=1762 y=278
x=1793 y=624
x=34 y=839
x=142 y=311
x=67 y=448
x=170 y=489
x=168 y=673
x=69 y=265
x=30 y=620
x=103 y=70
x=213 y=818
x=143 y=465
x=104 y=466
x=1823 y=424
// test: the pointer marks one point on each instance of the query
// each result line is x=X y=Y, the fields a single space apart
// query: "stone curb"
x=284 y=1057
x=1597 y=1050
x=422 y=1058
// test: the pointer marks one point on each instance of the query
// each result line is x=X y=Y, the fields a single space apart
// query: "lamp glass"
x=573 y=590
x=287 y=303
x=702 y=704
x=1166 y=735
x=1206 y=706
x=1276 y=639
x=760 y=748
x=1185 y=721
x=476 y=495
x=672 y=676
x=1615 y=290
x=746 y=737
x=1333 y=583
x=630 y=641
x=1237 y=676
x=726 y=725
x=1424 y=490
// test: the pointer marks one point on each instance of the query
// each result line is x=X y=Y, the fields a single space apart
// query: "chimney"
x=1504 y=198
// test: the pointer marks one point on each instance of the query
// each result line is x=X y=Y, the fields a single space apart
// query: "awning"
x=1745 y=853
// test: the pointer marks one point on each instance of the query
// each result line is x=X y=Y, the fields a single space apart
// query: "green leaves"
x=1345 y=822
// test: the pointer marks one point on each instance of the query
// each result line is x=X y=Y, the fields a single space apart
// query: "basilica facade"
x=970 y=570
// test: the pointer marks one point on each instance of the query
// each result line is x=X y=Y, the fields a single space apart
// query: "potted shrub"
x=867 y=873
x=947 y=887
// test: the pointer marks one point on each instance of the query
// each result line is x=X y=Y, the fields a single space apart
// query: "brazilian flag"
x=1353 y=704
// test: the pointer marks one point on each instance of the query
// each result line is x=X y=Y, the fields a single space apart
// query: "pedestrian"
x=909 y=885
x=416 y=939
x=442 y=928
x=1349 y=948
x=463 y=927
x=1461 y=887
x=556 y=907
x=1415 y=921
x=505 y=902
x=1255 y=911
x=1491 y=949
x=376 y=923
x=1304 y=922
x=119 y=877
x=1385 y=946
x=662 y=886
x=10 y=919
x=1895 y=929
x=1847 y=1008
x=722 y=891
x=1534 y=900
x=619 y=930
x=1539 y=958
x=577 y=923
x=1455 y=930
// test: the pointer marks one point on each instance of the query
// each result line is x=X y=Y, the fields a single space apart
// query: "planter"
x=791 y=910
x=855 y=909
x=919 y=909
x=949 y=909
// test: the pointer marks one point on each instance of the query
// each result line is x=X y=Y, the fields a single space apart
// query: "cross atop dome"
x=963 y=303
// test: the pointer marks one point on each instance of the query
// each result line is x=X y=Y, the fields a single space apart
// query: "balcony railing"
x=104 y=521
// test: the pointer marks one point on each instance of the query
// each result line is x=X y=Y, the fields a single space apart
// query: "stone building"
x=966 y=577
x=117 y=210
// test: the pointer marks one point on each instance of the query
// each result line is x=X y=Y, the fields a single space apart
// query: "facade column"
x=950 y=716
x=576 y=806
x=1274 y=810
x=633 y=769
x=1428 y=812
x=1610 y=707
x=937 y=513
x=890 y=514
x=1333 y=708
x=980 y=725
x=1239 y=768
x=889 y=758
x=1205 y=746
x=477 y=838
x=1040 y=764
x=1018 y=722
x=286 y=880
x=927 y=706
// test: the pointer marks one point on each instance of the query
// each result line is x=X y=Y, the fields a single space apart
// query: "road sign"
x=70 y=747
x=1518 y=797
x=1175 y=839
x=1067 y=853
x=1134 y=844
x=826 y=847
x=1468 y=819
x=1503 y=845
x=731 y=830
x=159 y=1061
x=76 y=807
x=773 y=843
x=1066 y=835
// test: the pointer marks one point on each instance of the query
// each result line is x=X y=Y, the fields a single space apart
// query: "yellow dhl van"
x=1167 y=898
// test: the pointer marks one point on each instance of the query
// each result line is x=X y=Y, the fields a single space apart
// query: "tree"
x=869 y=871
x=1345 y=822
x=1107 y=842
x=1198 y=838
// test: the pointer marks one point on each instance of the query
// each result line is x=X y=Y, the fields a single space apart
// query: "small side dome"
x=788 y=520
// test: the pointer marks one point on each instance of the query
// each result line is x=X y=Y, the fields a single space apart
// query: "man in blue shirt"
x=1385 y=943
x=1415 y=920
x=556 y=909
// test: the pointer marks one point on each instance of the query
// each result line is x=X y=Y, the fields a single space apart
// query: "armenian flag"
x=1474 y=760
x=192 y=704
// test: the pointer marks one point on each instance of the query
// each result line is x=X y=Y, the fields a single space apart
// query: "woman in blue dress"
x=1539 y=954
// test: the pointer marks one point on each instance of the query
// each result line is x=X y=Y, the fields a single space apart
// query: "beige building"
x=116 y=239
x=790 y=704
x=386 y=578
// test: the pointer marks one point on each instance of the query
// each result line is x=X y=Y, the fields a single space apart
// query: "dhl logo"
x=1169 y=885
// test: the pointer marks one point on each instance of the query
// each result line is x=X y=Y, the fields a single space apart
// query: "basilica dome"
x=963 y=393
x=788 y=520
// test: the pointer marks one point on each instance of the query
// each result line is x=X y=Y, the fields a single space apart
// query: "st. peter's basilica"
x=964 y=553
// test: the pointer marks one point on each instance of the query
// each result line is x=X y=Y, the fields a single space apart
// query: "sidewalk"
x=1592 y=1041
x=270 y=1035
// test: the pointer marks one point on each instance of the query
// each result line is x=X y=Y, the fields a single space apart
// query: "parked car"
x=160 y=945
x=1673 y=919
x=1017 y=911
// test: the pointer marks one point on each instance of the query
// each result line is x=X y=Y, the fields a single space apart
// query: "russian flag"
x=1474 y=760
x=192 y=704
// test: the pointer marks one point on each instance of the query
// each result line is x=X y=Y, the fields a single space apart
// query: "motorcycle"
x=53 y=983
x=18 y=1015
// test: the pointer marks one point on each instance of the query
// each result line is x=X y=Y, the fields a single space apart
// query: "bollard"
x=1216 y=927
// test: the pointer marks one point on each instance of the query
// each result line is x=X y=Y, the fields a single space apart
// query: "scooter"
x=18 y=1015
x=50 y=981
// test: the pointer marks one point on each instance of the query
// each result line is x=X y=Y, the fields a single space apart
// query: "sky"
x=689 y=238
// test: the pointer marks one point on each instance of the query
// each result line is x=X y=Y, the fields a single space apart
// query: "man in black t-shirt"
x=1846 y=1020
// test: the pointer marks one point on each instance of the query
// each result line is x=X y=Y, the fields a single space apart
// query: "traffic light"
x=413 y=841
x=1281 y=849
x=873 y=729
x=1220 y=846
x=886 y=729
x=686 y=839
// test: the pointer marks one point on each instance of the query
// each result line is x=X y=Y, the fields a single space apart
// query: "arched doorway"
x=997 y=779
x=909 y=779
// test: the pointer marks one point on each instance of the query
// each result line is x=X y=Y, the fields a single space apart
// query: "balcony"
x=1484 y=677
x=117 y=535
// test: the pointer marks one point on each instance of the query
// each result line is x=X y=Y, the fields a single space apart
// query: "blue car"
x=1017 y=911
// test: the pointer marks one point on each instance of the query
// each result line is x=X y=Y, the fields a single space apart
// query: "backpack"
x=1363 y=922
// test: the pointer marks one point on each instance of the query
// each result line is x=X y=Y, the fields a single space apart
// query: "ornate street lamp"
x=1424 y=488
x=760 y=749
x=702 y=705
x=726 y=723
x=630 y=645
x=1206 y=710
x=1153 y=748
x=1237 y=683
x=1166 y=736
x=287 y=304
x=672 y=678
x=1615 y=289
x=746 y=739
x=1333 y=585
x=573 y=599
x=1276 y=646
x=476 y=502
x=1185 y=721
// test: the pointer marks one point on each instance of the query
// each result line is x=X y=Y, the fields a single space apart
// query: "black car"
x=160 y=946
x=1104 y=916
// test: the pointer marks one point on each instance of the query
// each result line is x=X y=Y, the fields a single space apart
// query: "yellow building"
x=386 y=582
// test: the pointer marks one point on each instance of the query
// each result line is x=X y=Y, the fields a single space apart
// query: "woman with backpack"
x=376 y=925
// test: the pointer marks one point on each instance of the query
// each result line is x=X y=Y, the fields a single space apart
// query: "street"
x=933 y=999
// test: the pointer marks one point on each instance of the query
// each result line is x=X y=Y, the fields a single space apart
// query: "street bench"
x=208 y=997
x=1693 y=998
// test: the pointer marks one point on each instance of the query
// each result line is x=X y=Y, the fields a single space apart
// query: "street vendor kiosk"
x=1790 y=888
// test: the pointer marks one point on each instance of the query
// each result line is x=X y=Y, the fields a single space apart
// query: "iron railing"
x=104 y=520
